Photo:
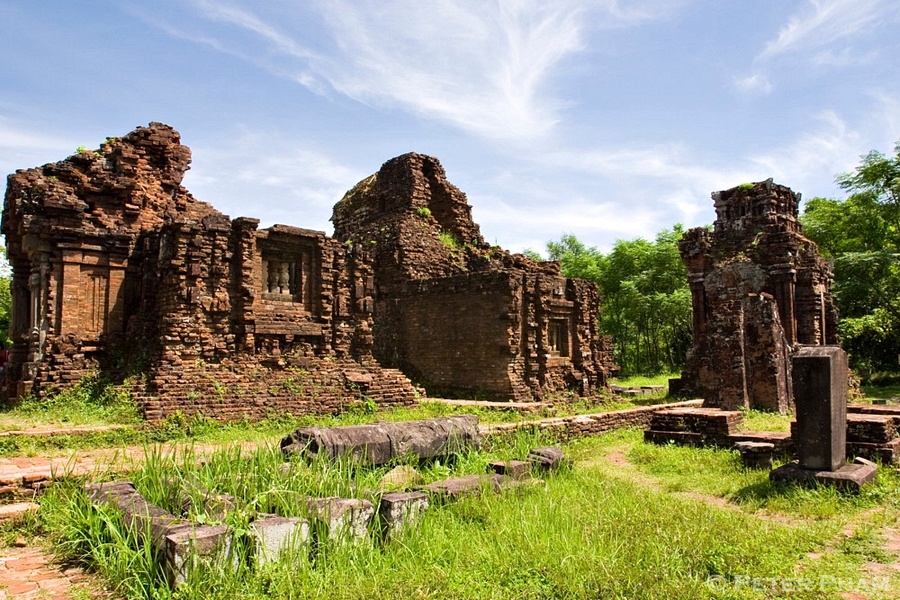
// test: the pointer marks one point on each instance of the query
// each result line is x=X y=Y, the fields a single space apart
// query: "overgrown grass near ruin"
x=629 y=520
x=93 y=401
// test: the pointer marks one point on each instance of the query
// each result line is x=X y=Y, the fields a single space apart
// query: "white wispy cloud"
x=484 y=67
x=756 y=83
x=824 y=22
x=23 y=148
x=815 y=156
x=245 y=19
x=586 y=218
x=259 y=174
x=666 y=183
x=846 y=57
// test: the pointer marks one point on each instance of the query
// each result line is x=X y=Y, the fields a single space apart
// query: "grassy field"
x=628 y=520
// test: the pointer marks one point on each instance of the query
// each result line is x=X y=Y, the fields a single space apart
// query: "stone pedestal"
x=820 y=433
x=849 y=478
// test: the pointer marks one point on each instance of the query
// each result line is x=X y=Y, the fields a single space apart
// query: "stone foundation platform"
x=849 y=477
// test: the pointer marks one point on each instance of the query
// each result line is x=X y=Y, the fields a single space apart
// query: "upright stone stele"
x=820 y=396
x=819 y=375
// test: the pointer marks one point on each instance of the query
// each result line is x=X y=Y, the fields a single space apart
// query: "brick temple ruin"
x=760 y=289
x=116 y=267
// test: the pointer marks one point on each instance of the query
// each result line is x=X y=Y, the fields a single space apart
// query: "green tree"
x=862 y=234
x=646 y=303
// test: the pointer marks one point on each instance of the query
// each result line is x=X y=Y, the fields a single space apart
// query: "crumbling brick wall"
x=464 y=316
x=758 y=288
x=117 y=267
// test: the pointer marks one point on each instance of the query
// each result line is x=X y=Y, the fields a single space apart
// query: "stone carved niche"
x=559 y=336
x=287 y=274
x=281 y=277
x=95 y=300
x=289 y=279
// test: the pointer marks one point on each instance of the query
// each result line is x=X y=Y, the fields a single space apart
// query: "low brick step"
x=868 y=428
x=707 y=421
x=874 y=409
x=521 y=407
x=686 y=438
x=872 y=428
x=888 y=453
x=782 y=440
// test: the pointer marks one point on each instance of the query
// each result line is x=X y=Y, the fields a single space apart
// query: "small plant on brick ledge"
x=423 y=211
x=450 y=240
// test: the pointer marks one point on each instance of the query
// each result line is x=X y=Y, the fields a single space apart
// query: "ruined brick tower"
x=117 y=268
x=454 y=311
x=758 y=288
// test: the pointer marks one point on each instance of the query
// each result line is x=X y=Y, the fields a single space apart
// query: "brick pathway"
x=27 y=573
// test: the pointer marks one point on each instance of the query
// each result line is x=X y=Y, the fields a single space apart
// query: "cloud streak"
x=827 y=22
x=483 y=67
x=274 y=179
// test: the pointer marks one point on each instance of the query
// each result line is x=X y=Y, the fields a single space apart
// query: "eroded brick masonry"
x=759 y=289
x=117 y=267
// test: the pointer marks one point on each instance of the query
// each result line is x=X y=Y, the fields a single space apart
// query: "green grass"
x=639 y=380
x=93 y=401
x=599 y=530
x=881 y=391
x=78 y=407
x=450 y=241
x=761 y=420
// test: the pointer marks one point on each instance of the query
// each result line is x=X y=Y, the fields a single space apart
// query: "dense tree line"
x=645 y=297
x=861 y=233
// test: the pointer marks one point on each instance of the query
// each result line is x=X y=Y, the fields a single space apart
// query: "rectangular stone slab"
x=343 y=518
x=454 y=488
x=820 y=395
x=517 y=469
x=850 y=478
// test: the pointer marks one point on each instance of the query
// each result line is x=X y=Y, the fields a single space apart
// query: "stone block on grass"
x=517 y=469
x=274 y=535
x=184 y=547
x=401 y=477
x=451 y=489
x=400 y=510
x=182 y=543
x=756 y=455
x=549 y=458
x=343 y=519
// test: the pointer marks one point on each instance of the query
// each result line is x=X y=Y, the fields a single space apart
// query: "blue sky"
x=607 y=119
